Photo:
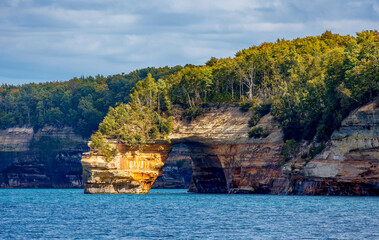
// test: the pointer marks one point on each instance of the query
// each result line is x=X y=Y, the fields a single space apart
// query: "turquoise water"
x=175 y=214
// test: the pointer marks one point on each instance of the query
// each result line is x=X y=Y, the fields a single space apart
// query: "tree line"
x=81 y=103
x=308 y=84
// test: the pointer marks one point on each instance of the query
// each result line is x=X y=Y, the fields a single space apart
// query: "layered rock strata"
x=177 y=171
x=226 y=160
x=131 y=171
x=45 y=158
x=349 y=165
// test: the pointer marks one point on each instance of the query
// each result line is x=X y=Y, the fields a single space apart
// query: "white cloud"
x=49 y=40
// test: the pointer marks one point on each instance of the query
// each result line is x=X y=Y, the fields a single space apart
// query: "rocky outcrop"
x=131 y=171
x=349 y=165
x=226 y=160
x=46 y=158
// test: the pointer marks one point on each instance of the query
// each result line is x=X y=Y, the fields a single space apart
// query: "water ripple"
x=175 y=214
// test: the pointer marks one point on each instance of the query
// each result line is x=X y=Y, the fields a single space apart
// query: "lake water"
x=176 y=214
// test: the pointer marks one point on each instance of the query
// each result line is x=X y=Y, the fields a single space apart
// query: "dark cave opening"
x=194 y=166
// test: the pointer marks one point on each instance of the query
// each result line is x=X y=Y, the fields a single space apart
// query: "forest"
x=308 y=84
x=81 y=103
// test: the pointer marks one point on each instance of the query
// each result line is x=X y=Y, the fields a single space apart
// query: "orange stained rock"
x=131 y=171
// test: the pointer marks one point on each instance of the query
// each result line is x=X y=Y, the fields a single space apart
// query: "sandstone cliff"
x=226 y=160
x=131 y=171
x=47 y=158
x=349 y=165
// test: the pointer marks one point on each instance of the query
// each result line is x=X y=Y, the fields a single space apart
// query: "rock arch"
x=227 y=160
x=224 y=158
x=208 y=174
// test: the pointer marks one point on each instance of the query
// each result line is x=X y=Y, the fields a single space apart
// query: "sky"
x=56 y=40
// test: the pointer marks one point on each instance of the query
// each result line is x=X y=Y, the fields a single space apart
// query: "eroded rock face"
x=226 y=160
x=46 y=158
x=349 y=165
x=177 y=171
x=131 y=171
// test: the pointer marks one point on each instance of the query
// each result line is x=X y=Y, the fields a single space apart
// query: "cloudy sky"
x=49 y=40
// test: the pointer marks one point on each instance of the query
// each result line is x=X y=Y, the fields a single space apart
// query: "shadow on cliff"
x=207 y=172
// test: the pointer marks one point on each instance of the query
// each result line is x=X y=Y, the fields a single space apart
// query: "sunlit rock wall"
x=349 y=165
x=226 y=160
x=131 y=171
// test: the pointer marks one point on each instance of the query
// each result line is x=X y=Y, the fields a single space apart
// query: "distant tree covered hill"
x=80 y=103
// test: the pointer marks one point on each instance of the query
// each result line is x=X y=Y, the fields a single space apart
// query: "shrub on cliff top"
x=133 y=126
x=258 y=112
x=290 y=150
x=101 y=146
x=135 y=123
x=192 y=112
x=245 y=106
x=258 y=132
